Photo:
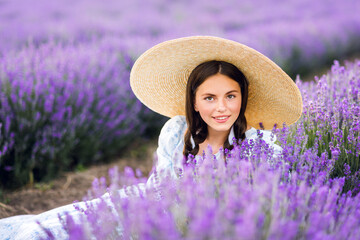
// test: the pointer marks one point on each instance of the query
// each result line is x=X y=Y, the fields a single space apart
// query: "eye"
x=231 y=96
x=209 y=98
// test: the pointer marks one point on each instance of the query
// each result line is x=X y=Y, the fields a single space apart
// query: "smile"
x=221 y=119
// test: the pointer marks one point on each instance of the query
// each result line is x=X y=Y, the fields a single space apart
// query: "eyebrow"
x=210 y=94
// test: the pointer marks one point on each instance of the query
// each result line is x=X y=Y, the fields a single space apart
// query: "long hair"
x=197 y=128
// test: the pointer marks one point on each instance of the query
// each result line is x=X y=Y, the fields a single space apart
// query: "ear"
x=195 y=107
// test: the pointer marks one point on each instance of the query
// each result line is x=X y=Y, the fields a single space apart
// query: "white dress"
x=169 y=159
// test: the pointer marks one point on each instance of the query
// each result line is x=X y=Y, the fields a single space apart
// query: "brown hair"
x=197 y=128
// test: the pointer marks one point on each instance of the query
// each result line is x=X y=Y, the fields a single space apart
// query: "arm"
x=169 y=151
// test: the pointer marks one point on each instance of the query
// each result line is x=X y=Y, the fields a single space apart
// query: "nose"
x=221 y=106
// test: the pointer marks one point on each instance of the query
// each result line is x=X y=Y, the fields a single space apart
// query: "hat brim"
x=159 y=76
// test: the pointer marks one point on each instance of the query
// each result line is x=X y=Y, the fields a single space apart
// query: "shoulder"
x=266 y=135
x=174 y=126
x=171 y=134
x=251 y=133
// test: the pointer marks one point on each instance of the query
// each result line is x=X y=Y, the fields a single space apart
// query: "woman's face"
x=218 y=100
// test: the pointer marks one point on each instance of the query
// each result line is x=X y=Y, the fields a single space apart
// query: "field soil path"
x=72 y=186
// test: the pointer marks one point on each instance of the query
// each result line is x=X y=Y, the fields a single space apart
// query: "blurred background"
x=65 y=99
x=295 y=34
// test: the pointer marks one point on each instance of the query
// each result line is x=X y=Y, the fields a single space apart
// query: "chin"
x=222 y=128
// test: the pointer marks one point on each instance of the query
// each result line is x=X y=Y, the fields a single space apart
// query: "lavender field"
x=65 y=102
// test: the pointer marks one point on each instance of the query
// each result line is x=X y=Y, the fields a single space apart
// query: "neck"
x=216 y=139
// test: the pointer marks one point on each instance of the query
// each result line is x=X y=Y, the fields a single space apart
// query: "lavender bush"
x=300 y=194
x=62 y=106
x=330 y=124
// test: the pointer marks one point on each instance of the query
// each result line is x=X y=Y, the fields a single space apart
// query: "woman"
x=215 y=91
x=184 y=79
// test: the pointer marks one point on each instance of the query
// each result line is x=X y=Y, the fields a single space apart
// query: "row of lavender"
x=297 y=35
x=310 y=191
x=62 y=107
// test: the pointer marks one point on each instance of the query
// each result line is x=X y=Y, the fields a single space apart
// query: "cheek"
x=205 y=109
x=235 y=106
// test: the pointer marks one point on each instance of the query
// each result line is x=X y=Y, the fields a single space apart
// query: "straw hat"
x=159 y=76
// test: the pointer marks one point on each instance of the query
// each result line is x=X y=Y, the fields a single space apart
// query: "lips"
x=221 y=119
